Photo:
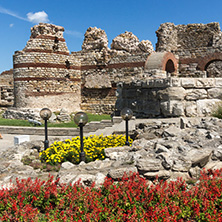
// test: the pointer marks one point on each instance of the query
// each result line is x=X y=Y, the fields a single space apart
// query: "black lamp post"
x=126 y=114
x=80 y=120
x=45 y=114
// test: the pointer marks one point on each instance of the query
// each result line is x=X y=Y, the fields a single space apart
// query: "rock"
x=126 y=41
x=84 y=179
x=64 y=116
x=181 y=164
x=217 y=153
x=95 y=39
x=199 y=157
x=148 y=165
x=172 y=93
x=120 y=172
x=146 y=46
x=143 y=144
x=195 y=172
x=162 y=175
x=205 y=106
x=171 y=131
x=19 y=113
x=160 y=148
x=190 y=108
x=53 y=118
x=174 y=176
x=117 y=153
x=130 y=43
x=215 y=93
x=215 y=165
x=196 y=94
x=67 y=166
x=172 y=108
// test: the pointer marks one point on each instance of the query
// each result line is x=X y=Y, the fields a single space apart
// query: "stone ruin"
x=183 y=77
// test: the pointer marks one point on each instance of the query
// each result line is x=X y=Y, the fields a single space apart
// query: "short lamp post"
x=45 y=114
x=127 y=114
x=80 y=120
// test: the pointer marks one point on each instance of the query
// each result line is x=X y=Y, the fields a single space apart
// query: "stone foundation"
x=171 y=97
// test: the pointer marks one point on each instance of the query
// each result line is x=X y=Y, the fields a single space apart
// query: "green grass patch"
x=217 y=112
x=17 y=122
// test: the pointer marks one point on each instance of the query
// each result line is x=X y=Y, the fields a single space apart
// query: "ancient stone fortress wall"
x=102 y=67
x=171 y=97
x=44 y=73
x=6 y=88
x=198 y=46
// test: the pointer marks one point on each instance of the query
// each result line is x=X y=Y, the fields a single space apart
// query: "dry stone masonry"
x=6 y=89
x=165 y=149
x=181 y=78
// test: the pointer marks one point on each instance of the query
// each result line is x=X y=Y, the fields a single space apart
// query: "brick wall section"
x=6 y=88
x=196 y=45
x=45 y=74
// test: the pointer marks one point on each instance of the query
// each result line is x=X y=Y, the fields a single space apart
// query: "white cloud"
x=11 y=25
x=74 y=33
x=37 y=17
x=8 y=12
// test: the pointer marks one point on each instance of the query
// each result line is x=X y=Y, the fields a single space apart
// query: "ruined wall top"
x=47 y=29
x=96 y=39
x=178 y=37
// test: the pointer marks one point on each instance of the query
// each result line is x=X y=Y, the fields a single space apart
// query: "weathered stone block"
x=149 y=165
x=206 y=106
x=190 y=109
x=205 y=82
x=171 y=93
x=120 y=172
x=195 y=94
x=215 y=93
x=172 y=108
x=188 y=82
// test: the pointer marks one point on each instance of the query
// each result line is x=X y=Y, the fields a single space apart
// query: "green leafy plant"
x=129 y=199
x=217 y=111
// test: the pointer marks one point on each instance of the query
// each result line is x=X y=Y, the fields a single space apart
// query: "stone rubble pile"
x=23 y=114
x=33 y=115
x=129 y=42
x=162 y=149
x=95 y=38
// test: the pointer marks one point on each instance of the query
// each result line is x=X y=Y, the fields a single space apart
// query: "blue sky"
x=142 y=17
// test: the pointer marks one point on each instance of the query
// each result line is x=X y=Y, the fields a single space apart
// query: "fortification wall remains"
x=47 y=74
x=43 y=75
x=6 y=88
x=170 y=97
x=196 y=45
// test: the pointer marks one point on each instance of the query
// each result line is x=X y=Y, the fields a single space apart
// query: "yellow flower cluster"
x=69 y=150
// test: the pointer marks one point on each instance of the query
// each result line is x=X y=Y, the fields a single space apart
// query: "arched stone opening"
x=170 y=66
x=164 y=61
x=214 y=68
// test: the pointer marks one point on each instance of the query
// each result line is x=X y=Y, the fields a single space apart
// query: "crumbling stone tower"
x=44 y=73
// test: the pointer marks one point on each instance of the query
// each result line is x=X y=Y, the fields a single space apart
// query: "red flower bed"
x=131 y=199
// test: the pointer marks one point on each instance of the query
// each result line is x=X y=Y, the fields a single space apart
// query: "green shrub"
x=217 y=112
